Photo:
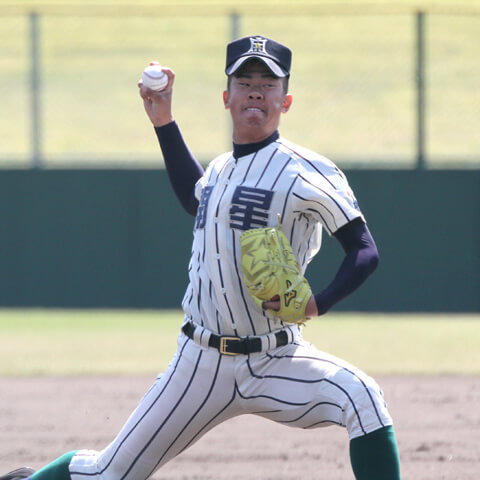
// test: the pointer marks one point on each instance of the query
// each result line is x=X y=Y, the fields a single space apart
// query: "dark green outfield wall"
x=119 y=239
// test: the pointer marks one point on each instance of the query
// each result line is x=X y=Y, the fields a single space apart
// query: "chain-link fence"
x=374 y=89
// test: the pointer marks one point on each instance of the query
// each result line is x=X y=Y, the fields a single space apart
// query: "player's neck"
x=243 y=149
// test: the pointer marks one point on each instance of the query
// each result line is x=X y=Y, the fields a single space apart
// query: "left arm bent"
x=361 y=259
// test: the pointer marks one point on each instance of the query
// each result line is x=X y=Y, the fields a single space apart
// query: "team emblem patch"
x=258 y=45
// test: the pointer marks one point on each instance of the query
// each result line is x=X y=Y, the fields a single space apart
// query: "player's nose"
x=255 y=95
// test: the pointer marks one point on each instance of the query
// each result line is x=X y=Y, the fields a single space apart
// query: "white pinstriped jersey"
x=306 y=189
x=294 y=384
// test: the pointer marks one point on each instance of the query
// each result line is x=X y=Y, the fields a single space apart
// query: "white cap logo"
x=257 y=45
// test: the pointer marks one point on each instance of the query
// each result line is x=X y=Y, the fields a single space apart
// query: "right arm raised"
x=183 y=169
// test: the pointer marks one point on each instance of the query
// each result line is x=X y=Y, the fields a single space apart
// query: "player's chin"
x=256 y=121
x=255 y=115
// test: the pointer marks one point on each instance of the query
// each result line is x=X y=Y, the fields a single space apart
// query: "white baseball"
x=154 y=78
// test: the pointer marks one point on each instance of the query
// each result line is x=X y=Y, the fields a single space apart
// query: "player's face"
x=256 y=100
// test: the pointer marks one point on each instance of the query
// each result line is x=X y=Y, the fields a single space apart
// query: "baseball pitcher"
x=260 y=211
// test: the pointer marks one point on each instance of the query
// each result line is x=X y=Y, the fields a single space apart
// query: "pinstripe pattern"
x=309 y=193
x=191 y=419
x=202 y=388
x=296 y=384
x=341 y=365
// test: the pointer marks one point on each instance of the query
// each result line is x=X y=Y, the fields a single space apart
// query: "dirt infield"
x=437 y=423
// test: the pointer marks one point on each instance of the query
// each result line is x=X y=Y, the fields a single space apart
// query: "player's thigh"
x=192 y=396
x=301 y=386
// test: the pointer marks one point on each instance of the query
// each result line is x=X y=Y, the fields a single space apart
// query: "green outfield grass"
x=353 y=78
x=97 y=342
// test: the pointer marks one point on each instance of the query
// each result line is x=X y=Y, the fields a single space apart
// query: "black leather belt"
x=236 y=345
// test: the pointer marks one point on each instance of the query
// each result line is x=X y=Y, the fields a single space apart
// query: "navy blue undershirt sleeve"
x=183 y=169
x=361 y=259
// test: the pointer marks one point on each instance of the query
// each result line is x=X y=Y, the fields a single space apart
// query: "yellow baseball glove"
x=271 y=272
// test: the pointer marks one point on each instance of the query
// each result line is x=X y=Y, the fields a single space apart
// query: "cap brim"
x=271 y=65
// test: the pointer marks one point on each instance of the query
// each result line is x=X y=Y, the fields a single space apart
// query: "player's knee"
x=366 y=409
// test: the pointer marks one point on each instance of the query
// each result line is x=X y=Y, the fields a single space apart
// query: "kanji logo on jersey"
x=250 y=208
x=202 y=207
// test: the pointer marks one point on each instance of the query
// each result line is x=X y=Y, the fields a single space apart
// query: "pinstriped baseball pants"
x=296 y=385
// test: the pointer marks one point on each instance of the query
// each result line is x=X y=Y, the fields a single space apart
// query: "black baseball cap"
x=277 y=57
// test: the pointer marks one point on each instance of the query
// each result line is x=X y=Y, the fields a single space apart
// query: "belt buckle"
x=224 y=346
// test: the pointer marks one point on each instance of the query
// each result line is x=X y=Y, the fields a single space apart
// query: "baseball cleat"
x=18 y=474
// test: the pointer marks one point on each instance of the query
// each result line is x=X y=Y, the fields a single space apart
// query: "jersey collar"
x=248 y=148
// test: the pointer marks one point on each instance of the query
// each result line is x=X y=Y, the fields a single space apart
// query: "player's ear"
x=226 y=100
x=287 y=103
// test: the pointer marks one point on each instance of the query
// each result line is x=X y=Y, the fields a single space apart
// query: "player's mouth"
x=254 y=109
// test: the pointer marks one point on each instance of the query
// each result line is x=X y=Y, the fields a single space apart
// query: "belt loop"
x=266 y=345
x=269 y=342
x=200 y=335
x=205 y=337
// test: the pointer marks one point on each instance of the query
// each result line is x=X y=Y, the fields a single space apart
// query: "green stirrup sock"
x=57 y=470
x=375 y=456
